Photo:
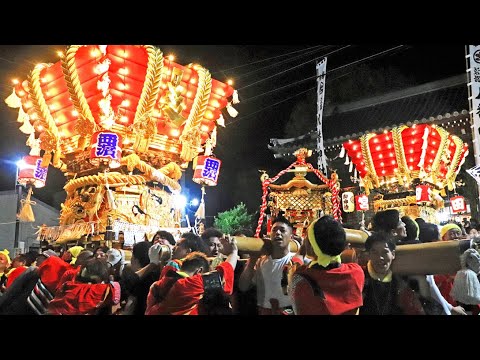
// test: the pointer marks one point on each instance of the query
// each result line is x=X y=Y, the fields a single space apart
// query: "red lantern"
x=348 y=204
x=376 y=159
x=106 y=147
x=458 y=204
x=422 y=193
x=31 y=172
x=361 y=202
x=207 y=169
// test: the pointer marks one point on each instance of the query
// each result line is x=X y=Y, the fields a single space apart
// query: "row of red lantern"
x=126 y=74
x=351 y=202
x=106 y=147
x=419 y=145
x=423 y=193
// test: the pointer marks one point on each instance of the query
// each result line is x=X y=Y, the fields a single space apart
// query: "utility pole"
x=18 y=192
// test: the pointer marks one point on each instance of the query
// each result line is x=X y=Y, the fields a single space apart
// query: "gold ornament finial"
x=302 y=154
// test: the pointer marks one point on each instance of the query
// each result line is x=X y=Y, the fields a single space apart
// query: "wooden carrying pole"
x=440 y=257
x=253 y=244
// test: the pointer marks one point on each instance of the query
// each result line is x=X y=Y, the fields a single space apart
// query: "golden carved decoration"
x=173 y=103
x=145 y=128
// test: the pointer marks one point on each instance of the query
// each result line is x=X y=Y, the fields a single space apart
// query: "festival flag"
x=321 y=71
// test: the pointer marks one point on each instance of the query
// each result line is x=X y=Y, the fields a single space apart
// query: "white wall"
x=44 y=214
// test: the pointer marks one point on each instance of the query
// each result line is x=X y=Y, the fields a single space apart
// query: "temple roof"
x=436 y=101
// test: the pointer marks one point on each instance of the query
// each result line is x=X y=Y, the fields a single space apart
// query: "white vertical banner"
x=473 y=73
x=321 y=71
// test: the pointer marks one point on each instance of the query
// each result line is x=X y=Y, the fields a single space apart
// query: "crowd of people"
x=208 y=275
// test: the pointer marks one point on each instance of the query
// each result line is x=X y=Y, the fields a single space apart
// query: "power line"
x=302 y=92
x=270 y=58
x=269 y=106
x=316 y=76
x=292 y=68
x=280 y=62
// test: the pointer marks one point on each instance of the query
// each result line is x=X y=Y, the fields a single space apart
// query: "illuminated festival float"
x=409 y=168
x=299 y=200
x=121 y=122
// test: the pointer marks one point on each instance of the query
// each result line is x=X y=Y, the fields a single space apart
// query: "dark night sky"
x=242 y=145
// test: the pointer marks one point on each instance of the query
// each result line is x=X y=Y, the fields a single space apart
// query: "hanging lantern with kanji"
x=361 y=203
x=458 y=204
x=207 y=169
x=422 y=194
x=106 y=148
x=348 y=204
x=31 y=171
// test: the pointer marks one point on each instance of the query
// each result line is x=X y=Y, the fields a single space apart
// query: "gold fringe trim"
x=190 y=138
x=367 y=156
x=441 y=148
x=451 y=174
x=170 y=170
x=74 y=87
x=151 y=86
x=113 y=179
x=41 y=108
x=403 y=169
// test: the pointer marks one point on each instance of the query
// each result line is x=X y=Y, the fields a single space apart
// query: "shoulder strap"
x=317 y=291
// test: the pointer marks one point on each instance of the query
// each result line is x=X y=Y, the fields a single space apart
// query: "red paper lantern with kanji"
x=361 y=202
x=207 y=169
x=422 y=193
x=106 y=147
x=458 y=204
x=31 y=172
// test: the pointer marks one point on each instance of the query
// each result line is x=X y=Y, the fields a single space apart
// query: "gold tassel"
x=56 y=158
x=47 y=157
x=235 y=99
x=200 y=213
x=27 y=128
x=13 y=100
x=221 y=121
x=81 y=142
x=231 y=110
x=22 y=116
x=26 y=213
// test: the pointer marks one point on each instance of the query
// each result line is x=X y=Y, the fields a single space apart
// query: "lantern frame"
x=31 y=172
x=112 y=161
x=201 y=174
